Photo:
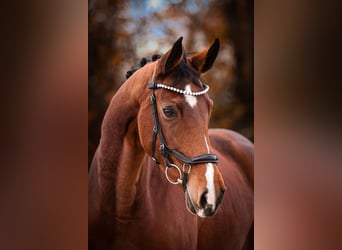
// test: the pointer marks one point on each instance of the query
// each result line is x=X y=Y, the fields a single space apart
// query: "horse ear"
x=203 y=60
x=173 y=57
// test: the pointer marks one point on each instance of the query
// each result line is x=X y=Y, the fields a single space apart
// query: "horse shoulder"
x=237 y=146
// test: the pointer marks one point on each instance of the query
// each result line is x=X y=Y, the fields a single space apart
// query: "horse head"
x=173 y=126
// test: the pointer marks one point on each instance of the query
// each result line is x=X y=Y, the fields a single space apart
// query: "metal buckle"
x=162 y=149
x=155 y=160
x=155 y=130
x=188 y=169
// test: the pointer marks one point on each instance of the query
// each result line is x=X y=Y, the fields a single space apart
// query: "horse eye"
x=169 y=112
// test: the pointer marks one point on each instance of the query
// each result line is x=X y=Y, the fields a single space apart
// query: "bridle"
x=164 y=149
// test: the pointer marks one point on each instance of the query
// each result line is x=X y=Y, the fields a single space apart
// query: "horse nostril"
x=203 y=200
x=220 y=198
x=209 y=207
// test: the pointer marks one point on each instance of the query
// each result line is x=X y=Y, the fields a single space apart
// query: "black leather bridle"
x=165 y=150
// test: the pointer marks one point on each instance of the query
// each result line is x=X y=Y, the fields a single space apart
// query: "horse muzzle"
x=204 y=209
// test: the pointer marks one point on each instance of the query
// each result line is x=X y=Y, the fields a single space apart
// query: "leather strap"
x=165 y=150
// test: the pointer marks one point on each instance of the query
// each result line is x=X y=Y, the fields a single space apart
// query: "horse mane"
x=183 y=70
x=142 y=63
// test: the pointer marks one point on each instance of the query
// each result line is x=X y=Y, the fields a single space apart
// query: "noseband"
x=164 y=149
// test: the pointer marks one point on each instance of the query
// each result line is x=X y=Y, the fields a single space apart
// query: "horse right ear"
x=203 y=60
x=173 y=57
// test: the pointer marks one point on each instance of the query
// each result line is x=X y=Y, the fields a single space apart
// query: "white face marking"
x=191 y=100
x=206 y=144
x=209 y=174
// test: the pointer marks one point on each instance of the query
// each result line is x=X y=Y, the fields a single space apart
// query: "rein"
x=164 y=149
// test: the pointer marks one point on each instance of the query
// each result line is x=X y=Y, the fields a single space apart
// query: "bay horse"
x=160 y=179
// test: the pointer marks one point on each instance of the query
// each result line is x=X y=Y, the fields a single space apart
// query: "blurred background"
x=122 y=32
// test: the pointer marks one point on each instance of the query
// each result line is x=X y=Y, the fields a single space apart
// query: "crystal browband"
x=180 y=91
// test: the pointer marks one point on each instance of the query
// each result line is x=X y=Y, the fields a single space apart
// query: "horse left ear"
x=173 y=57
x=203 y=60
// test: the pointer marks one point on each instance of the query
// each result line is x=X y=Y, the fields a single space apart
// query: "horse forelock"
x=185 y=71
x=182 y=72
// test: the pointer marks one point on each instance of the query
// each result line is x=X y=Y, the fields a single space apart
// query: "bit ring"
x=179 y=180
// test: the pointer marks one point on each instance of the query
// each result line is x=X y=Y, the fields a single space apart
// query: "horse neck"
x=120 y=154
